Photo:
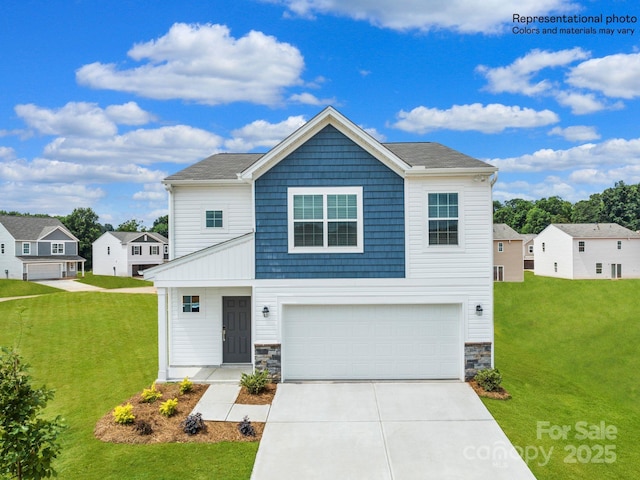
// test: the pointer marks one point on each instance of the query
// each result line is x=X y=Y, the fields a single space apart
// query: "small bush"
x=169 y=407
x=186 y=386
x=246 y=428
x=123 y=414
x=143 y=428
x=489 y=379
x=192 y=424
x=150 y=395
x=255 y=382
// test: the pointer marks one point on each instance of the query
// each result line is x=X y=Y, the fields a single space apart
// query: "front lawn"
x=20 y=288
x=96 y=351
x=110 y=282
x=568 y=351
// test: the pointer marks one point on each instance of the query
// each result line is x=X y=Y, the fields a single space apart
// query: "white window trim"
x=324 y=191
x=58 y=252
x=203 y=219
x=461 y=238
x=500 y=247
x=134 y=248
x=151 y=247
x=28 y=245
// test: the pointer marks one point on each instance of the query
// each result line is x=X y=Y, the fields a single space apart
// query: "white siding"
x=553 y=246
x=189 y=233
x=108 y=253
x=8 y=260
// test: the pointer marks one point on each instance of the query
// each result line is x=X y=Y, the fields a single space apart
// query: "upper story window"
x=108 y=250
x=443 y=218
x=500 y=247
x=136 y=249
x=26 y=248
x=619 y=244
x=57 y=249
x=543 y=247
x=581 y=246
x=2 y=248
x=154 y=249
x=530 y=248
x=191 y=303
x=213 y=219
x=325 y=220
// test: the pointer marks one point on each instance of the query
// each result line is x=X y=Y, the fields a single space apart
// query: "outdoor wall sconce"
x=265 y=311
x=479 y=310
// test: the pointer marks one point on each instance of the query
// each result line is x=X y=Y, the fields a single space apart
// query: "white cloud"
x=374 y=133
x=309 y=99
x=175 y=144
x=547 y=187
x=152 y=192
x=465 y=16
x=578 y=133
x=613 y=153
x=262 y=134
x=613 y=75
x=52 y=199
x=205 y=64
x=581 y=103
x=518 y=76
x=7 y=152
x=491 y=118
x=128 y=114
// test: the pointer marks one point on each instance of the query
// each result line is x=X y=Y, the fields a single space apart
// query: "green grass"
x=109 y=282
x=19 y=288
x=568 y=351
x=96 y=351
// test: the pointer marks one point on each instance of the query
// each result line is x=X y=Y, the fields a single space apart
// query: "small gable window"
x=2 y=249
x=213 y=219
x=325 y=220
x=443 y=218
x=191 y=303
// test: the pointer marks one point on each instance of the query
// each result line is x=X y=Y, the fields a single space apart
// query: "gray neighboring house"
x=37 y=248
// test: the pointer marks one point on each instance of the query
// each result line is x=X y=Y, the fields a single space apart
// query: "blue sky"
x=100 y=100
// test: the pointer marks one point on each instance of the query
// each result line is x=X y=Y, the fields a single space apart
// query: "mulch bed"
x=500 y=394
x=166 y=430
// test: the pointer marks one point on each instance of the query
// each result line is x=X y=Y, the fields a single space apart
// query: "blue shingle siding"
x=330 y=159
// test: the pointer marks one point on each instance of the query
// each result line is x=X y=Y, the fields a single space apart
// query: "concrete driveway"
x=386 y=431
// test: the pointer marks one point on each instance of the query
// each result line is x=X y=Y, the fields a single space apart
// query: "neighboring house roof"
x=32 y=228
x=51 y=258
x=596 y=230
x=502 y=231
x=128 y=237
x=527 y=237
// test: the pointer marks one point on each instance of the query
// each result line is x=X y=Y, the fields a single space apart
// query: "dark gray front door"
x=236 y=329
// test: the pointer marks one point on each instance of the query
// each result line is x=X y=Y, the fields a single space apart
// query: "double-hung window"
x=136 y=249
x=500 y=247
x=443 y=218
x=154 y=249
x=57 y=249
x=26 y=248
x=325 y=220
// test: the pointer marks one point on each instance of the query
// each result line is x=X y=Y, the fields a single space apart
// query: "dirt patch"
x=500 y=394
x=168 y=429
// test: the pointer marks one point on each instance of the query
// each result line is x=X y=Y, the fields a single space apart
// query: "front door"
x=236 y=329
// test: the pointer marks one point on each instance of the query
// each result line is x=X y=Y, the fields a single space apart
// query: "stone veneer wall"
x=477 y=356
x=268 y=357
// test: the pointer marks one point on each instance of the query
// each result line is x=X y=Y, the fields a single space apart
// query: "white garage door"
x=347 y=342
x=43 y=271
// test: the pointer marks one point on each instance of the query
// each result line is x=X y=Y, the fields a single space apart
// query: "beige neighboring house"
x=528 y=251
x=507 y=254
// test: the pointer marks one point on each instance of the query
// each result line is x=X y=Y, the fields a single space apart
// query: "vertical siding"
x=330 y=159
x=190 y=204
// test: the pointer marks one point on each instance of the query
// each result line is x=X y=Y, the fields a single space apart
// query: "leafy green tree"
x=28 y=443
x=132 y=225
x=83 y=223
x=161 y=225
x=621 y=205
x=537 y=220
x=588 y=211
x=514 y=213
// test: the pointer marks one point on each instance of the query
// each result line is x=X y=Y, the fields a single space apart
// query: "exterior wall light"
x=479 y=310
x=265 y=311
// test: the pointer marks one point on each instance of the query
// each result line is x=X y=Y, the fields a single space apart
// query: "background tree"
x=161 y=225
x=28 y=443
x=588 y=211
x=514 y=213
x=132 y=225
x=83 y=223
x=621 y=205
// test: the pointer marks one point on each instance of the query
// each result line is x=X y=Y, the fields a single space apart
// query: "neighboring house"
x=507 y=254
x=37 y=248
x=332 y=256
x=127 y=254
x=528 y=240
x=587 y=250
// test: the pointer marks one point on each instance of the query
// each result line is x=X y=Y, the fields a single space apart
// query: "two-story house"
x=332 y=256
x=128 y=254
x=37 y=248
x=508 y=262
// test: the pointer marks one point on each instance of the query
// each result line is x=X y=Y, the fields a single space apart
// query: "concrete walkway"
x=75 y=286
x=217 y=404
x=385 y=431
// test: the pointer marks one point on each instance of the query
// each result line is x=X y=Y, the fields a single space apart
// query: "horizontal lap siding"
x=330 y=159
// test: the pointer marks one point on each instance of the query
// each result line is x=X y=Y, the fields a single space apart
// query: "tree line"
x=83 y=223
x=619 y=204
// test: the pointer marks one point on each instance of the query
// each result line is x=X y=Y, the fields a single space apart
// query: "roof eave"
x=217 y=181
x=450 y=171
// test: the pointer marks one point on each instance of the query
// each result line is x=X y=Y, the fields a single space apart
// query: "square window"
x=191 y=303
x=57 y=249
x=213 y=219
x=443 y=218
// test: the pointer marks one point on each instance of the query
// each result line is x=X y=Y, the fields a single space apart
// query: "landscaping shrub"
x=143 y=427
x=489 y=379
x=186 y=386
x=123 y=414
x=192 y=424
x=150 y=395
x=169 y=407
x=255 y=382
x=246 y=428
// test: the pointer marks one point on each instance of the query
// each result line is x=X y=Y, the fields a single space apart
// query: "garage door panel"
x=371 y=342
x=44 y=271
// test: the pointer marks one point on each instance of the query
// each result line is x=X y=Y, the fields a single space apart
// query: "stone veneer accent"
x=268 y=357
x=477 y=356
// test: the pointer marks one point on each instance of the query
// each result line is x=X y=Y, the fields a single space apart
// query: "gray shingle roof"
x=596 y=230
x=30 y=228
x=126 y=237
x=226 y=166
x=502 y=231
